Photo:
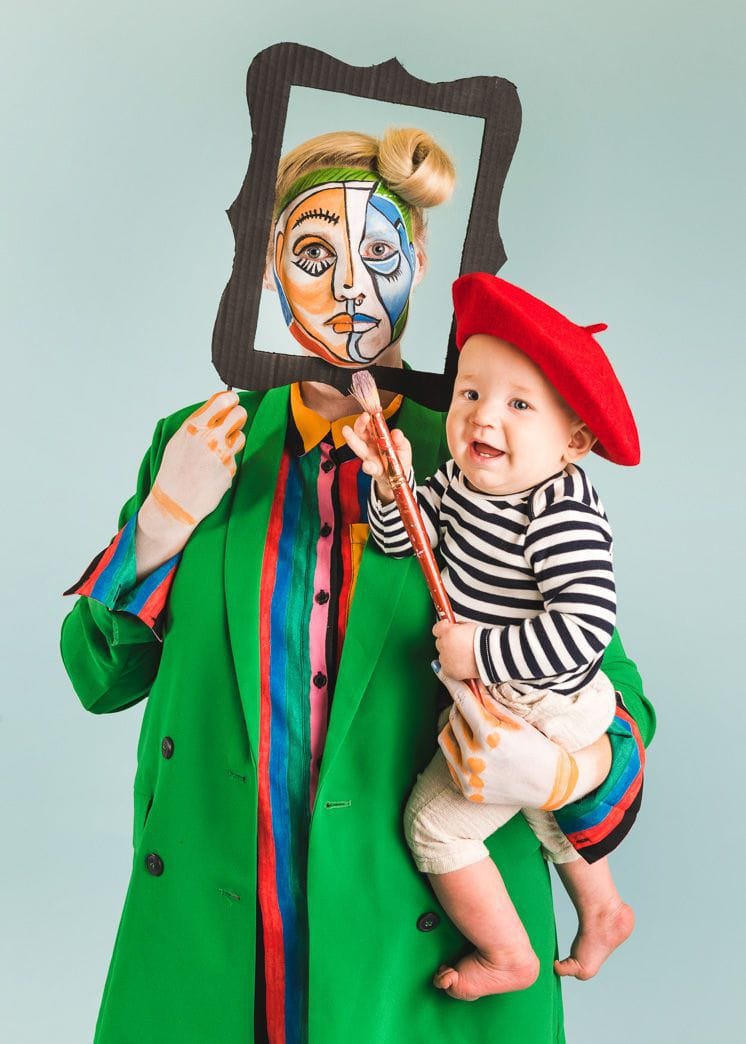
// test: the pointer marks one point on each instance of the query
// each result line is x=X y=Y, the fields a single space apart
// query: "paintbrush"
x=365 y=391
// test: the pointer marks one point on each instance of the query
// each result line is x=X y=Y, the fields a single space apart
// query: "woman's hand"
x=362 y=441
x=197 y=468
x=455 y=645
x=496 y=757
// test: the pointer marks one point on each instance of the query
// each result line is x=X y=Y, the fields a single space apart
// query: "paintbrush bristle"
x=365 y=391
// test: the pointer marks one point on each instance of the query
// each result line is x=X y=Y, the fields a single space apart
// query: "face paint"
x=344 y=267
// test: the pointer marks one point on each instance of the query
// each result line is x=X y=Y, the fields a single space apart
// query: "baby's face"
x=507 y=427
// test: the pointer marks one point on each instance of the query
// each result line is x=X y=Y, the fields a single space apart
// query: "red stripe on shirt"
x=274 y=964
x=90 y=582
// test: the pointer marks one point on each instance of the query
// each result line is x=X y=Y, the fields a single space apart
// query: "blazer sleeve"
x=112 y=656
x=598 y=822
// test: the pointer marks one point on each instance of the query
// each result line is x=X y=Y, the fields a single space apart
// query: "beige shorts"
x=446 y=832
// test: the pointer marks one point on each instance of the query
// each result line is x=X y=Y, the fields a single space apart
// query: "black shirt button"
x=325 y=529
x=167 y=747
x=427 y=921
x=327 y=465
x=322 y=597
x=154 y=864
x=319 y=680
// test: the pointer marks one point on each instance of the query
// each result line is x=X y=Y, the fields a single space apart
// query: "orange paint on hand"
x=476 y=781
x=192 y=429
x=171 y=507
x=469 y=736
x=476 y=798
x=565 y=778
x=452 y=748
x=218 y=418
x=205 y=406
x=232 y=433
x=493 y=739
x=492 y=713
x=476 y=764
x=212 y=445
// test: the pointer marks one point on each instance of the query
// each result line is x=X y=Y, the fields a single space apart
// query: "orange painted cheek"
x=310 y=299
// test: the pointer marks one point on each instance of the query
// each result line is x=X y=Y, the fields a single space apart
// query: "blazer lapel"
x=253 y=494
x=379 y=586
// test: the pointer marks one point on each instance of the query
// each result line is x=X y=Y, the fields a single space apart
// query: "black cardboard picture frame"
x=272 y=74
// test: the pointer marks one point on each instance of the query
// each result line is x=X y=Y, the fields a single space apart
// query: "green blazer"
x=183 y=964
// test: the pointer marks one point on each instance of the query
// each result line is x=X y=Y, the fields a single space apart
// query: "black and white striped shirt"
x=534 y=568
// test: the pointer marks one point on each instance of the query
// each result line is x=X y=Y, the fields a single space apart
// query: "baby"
x=526 y=552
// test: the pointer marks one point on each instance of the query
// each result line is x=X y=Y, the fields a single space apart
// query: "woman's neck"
x=332 y=404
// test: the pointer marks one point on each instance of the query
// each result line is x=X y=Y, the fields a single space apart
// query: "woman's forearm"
x=593 y=765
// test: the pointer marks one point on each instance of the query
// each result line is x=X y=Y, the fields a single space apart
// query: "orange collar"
x=312 y=428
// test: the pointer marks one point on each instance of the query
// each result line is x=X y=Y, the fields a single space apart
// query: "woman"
x=291 y=700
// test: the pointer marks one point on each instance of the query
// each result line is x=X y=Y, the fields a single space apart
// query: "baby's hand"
x=362 y=441
x=455 y=645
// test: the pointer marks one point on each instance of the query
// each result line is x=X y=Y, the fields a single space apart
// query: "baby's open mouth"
x=485 y=452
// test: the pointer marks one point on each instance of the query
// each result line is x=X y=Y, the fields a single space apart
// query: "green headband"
x=325 y=175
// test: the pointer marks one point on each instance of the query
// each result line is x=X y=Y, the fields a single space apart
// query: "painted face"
x=344 y=268
x=507 y=428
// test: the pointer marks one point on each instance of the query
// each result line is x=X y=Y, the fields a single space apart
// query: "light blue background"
x=124 y=137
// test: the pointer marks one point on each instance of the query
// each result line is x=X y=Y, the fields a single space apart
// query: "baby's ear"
x=581 y=443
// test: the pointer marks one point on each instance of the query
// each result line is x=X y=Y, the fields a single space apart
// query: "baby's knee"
x=436 y=848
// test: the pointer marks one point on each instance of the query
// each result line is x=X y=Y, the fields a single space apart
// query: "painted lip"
x=358 y=322
x=482 y=452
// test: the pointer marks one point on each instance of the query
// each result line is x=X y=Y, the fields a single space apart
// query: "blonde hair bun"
x=415 y=167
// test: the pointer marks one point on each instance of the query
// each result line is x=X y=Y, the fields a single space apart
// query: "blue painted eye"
x=378 y=251
x=381 y=258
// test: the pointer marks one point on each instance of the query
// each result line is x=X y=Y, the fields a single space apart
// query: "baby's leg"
x=604 y=920
x=477 y=901
x=446 y=834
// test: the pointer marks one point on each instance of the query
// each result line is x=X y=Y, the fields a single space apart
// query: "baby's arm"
x=386 y=526
x=568 y=546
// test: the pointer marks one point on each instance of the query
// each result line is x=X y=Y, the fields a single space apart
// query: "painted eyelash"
x=390 y=277
x=325 y=215
x=311 y=267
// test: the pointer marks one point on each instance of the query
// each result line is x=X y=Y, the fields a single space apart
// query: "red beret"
x=568 y=355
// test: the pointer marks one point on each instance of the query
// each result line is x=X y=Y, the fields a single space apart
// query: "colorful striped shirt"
x=317 y=531
x=111 y=580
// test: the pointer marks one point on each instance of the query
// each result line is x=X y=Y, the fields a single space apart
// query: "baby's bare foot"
x=475 y=976
x=599 y=934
